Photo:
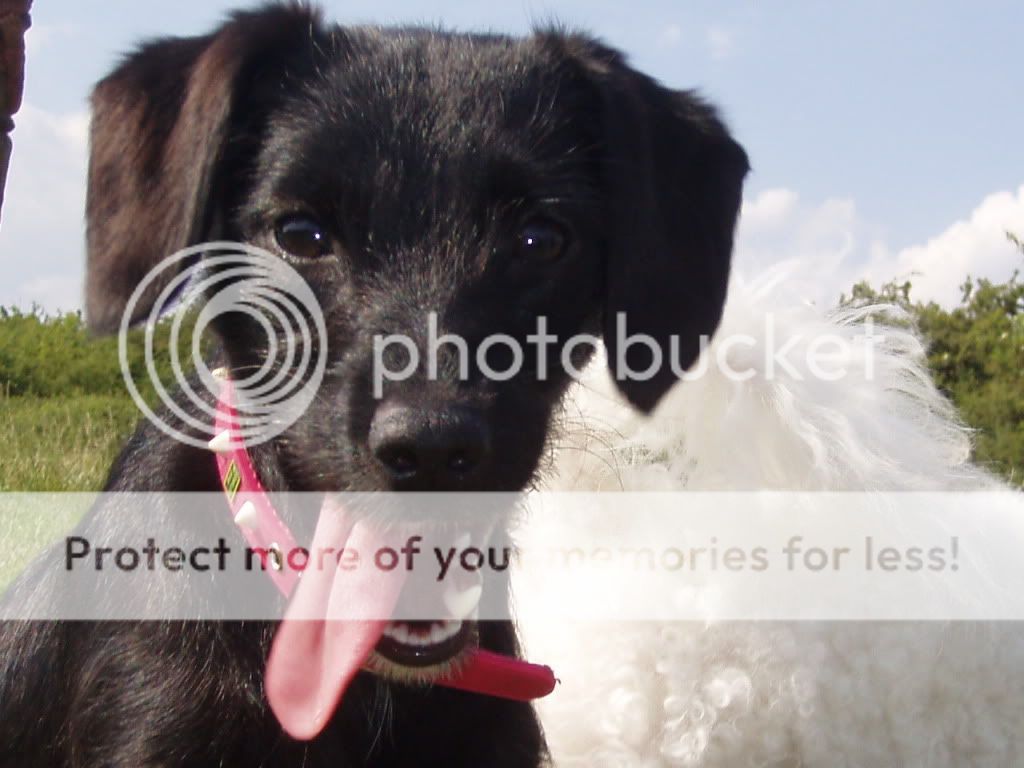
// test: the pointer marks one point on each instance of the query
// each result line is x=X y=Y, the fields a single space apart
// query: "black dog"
x=490 y=180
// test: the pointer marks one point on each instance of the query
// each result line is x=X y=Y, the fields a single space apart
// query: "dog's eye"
x=542 y=239
x=302 y=236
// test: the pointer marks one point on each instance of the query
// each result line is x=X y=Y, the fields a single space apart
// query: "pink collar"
x=249 y=505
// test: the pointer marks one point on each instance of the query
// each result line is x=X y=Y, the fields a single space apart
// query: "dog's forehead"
x=446 y=85
x=394 y=106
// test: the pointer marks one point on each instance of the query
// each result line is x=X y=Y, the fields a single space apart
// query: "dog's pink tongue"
x=332 y=624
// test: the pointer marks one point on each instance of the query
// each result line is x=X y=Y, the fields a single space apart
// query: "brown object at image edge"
x=14 y=21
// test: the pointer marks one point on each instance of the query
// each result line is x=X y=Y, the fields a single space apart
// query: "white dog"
x=776 y=694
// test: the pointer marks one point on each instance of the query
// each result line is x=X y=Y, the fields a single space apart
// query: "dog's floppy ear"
x=162 y=123
x=673 y=184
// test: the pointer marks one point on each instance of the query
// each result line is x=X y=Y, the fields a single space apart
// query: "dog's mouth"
x=374 y=617
x=421 y=651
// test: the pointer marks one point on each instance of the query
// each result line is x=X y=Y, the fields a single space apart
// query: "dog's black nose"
x=429 y=449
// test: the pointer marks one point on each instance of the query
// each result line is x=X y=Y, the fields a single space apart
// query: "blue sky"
x=885 y=137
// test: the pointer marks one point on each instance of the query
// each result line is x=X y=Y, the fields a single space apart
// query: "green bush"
x=64 y=407
x=57 y=356
x=976 y=353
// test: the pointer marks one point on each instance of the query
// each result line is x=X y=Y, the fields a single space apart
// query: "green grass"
x=53 y=444
x=61 y=443
x=30 y=524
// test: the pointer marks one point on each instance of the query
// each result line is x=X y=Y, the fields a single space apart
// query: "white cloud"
x=40 y=36
x=974 y=246
x=41 y=231
x=53 y=291
x=769 y=210
x=776 y=226
x=721 y=42
x=671 y=35
x=830 y=246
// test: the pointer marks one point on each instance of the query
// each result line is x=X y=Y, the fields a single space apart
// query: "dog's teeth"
x=246 y=516
x=452 y=628
x=221 y=442
x=417 y=638
x=462 y=602
x=220 y=374
x=441 y=632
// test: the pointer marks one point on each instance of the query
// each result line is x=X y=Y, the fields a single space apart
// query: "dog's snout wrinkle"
x=429 y=448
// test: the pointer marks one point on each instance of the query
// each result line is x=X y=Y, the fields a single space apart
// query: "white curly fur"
x=647 y=695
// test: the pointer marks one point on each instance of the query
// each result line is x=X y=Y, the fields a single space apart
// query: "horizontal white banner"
x=602 y=556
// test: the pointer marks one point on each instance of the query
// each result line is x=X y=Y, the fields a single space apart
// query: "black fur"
x=421 y=153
